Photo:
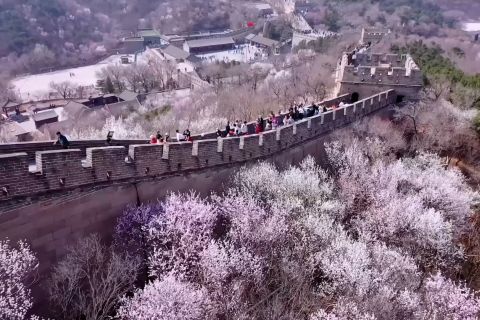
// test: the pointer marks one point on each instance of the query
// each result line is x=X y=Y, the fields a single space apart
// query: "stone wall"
x=366 y=74
x=69 y=198
x=377 y=59
x=372 y=36
x=382 y=75
x=58 y=171
x=30 y=148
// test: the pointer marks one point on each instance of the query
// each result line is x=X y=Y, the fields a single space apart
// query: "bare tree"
x=255 y=75
x=314 y=84
x=81 y=92
x=440 y=86
x=39 y=58
x=214 y=73
x=146 y=77
x=88 y=282
x=65 y=89
x=409 y=111
x=132 y=78
x=234 y=104
x=116 y=74
x=6 y=92
x=276 y=88
x=159 y=72
x=170 y=70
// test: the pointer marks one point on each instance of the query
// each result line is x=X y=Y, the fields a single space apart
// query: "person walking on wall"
x=244 y=128
x=187 y=134
x=268 y=125
x=179 y=136
x=62 y=141
x=258 y=127
x=153 y=139
x=274 y=122
x=227 y=129
x=237 y=127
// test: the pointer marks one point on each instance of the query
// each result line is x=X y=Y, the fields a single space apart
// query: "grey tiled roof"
x=263 y=41
x=128 y=95
x=44 y=115
x=148 y=33
x=175 y=52
x=210 y=42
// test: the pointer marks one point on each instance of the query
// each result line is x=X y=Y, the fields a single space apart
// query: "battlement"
x=379 y=60
x=371 y=35
x=366 y=73
x=383 y=75
x=61 y=170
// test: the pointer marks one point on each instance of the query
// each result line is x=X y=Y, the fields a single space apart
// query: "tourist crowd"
x=272 y=122
x=238 y=128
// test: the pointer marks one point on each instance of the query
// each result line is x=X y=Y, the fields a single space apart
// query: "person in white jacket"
x=179 y=136
x=244 y=128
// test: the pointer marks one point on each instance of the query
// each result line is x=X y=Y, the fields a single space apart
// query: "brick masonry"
x=375 y=72
x=69 y=198
x=58 y=171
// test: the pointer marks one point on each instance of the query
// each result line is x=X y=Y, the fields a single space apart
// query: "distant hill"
x=470 y=9
x=75 y=27
x=79 y=31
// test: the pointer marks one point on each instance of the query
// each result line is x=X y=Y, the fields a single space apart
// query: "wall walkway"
x=91 y=163
x=68 y=198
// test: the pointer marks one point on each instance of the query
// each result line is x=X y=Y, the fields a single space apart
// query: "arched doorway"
x=355 y=97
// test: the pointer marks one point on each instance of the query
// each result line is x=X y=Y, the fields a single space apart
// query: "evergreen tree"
x=109 y=88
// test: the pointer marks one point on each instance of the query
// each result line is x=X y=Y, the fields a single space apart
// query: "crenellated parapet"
x=391 y=76
x=379 y=59
x=31 y=173
x=372 y=35
x=366 y=73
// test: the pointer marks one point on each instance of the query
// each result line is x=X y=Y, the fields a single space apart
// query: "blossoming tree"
x=17 y=266
x=363 y=241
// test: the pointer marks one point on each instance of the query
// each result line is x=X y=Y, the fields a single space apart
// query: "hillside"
x=466 y=8
x=75 y=31
x=66 y=32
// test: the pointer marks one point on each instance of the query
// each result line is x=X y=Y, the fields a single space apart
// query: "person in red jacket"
x=153 y=139
x=258 y=127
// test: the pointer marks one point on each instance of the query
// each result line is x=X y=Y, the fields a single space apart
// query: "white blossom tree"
x=17 y=267
x=166 y=299
x=444 y=299
x=413 y=204
x=357 y=242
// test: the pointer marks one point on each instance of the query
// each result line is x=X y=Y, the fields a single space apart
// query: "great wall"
x=70 y=193
x=52 y=197
x=366 y=74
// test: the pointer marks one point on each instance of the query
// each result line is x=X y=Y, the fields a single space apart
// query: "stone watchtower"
x=363 y=74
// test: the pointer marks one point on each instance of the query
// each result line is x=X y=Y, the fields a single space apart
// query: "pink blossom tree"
x=131 y=230
x=357 y=242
